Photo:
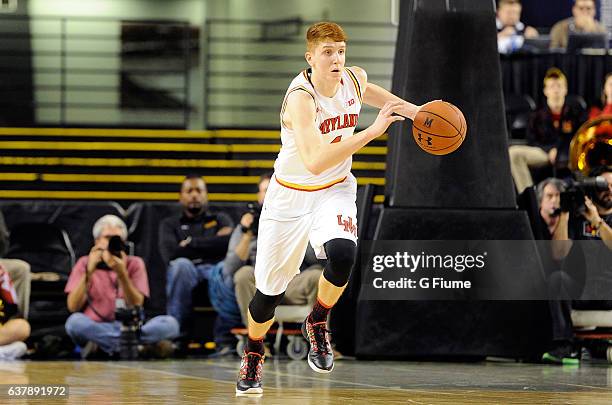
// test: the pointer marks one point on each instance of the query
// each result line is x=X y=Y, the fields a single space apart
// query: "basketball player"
x=311 y=197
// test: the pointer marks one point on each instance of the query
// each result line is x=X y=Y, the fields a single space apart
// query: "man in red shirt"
x=100 y=283
x=606 y=99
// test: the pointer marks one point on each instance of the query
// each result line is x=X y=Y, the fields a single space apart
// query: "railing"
x=523 y=73
x=249 y=65
x=96 y=72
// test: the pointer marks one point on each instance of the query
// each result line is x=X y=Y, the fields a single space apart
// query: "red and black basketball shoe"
x=320 y=355
x=249 y=380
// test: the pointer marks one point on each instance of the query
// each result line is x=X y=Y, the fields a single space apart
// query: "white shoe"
x=13 y=351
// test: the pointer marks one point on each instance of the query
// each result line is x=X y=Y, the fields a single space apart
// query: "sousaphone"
x=591 y=146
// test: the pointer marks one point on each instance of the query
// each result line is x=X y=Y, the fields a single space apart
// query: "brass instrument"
x=591 y=146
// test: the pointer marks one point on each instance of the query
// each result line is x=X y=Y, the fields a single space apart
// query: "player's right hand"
x=385 y=117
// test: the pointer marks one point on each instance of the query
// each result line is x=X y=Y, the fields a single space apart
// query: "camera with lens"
x=572 y=199
x=116 y=245
x=255 y=210
x=131 y=321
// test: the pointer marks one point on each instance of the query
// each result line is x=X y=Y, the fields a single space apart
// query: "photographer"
x=596 y=213
x=589 y=222
x=240 y=261
x=105 y=281
x=548 y=193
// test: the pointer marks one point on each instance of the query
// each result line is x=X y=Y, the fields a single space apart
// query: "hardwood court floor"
x=290 y=382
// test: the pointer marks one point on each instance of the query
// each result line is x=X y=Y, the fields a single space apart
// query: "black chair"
x=45 y=246
x=518 y=108
x=577 y=101
x=47 y=249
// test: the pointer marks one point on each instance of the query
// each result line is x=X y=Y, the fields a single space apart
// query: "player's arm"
x=318 y=155
x=376 y=96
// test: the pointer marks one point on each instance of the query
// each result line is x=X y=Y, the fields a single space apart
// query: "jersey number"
x=337 y=139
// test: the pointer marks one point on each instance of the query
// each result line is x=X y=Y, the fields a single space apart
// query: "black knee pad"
x=262 y=306
x=340 y=260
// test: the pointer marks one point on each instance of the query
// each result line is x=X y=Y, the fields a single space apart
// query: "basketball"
x=439 y=128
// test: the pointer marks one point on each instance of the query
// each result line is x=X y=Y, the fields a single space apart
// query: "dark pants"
x=182 y=278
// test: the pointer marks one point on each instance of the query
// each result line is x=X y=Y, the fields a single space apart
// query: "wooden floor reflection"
x=290 y=382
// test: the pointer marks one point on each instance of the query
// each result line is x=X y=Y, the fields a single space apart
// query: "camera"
x=572 y=199
x=116 y=245
x=255 y=210
x=131 y=321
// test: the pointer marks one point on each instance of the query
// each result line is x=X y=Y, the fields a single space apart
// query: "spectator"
x=18 y=270
x=549 y=134
x=548 y=193
x=193 y=244
x=594 y=223
x=606 y=99
x=511 y=32
x=100 y=283
x=582 y=21
x=12 y=331
x=240 y=261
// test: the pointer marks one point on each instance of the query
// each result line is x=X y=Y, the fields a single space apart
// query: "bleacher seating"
x=127 y=165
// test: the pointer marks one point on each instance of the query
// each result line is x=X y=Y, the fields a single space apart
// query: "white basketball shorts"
x=290 y=219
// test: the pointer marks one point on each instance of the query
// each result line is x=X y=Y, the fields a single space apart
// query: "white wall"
x=344 y=11
x=46 y=28
x=47 y=43
x=312 y=10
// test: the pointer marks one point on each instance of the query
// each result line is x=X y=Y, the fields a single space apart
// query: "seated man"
x=240 y=259
x=593 y=224
x=103 y=281
x=582 y=21
x=18 y=270
x=511 y=32
x=606 y=99
x=12 y=331
x=192 y=245
x=550 y=131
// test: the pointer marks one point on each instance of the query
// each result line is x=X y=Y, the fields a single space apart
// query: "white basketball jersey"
x=336 y=120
